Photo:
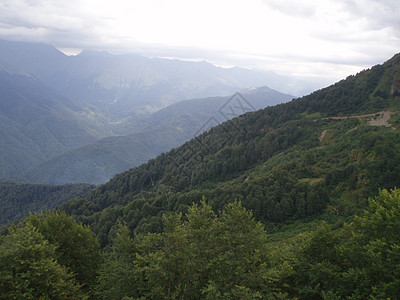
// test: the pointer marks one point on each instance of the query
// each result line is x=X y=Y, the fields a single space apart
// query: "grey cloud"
x=65 y=24
x=59 y=22
x=291 y=7
x=378 y=14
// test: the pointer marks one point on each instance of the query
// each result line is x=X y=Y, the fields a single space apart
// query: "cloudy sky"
x=323 y=38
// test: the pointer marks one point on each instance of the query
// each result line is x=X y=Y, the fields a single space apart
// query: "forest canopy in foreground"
x=293 y=201
x=205 y=255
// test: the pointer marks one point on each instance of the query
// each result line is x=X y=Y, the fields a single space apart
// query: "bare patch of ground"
x=322 y=135
x=380 y=118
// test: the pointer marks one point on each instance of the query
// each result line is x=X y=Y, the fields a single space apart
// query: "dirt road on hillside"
x=380 y=118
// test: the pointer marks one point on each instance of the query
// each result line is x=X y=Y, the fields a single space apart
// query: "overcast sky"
x=322 y=38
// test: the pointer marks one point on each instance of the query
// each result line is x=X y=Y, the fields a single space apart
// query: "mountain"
x=53 y=104
x=119 y=85
x=315 y=171
x=36 y=123
x=158 y=133
x=319 y=156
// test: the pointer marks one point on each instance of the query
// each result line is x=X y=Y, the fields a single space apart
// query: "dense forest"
x=17 y=200
x=296 y=201
x=285 y=163
x=205 y=255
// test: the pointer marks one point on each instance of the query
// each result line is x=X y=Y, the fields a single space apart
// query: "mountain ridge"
x=160 y=132
x=51 y=126
x=67 y=102
x=272 y=160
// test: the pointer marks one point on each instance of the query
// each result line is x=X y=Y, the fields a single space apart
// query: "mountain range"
x=102 y=112
x=36 y=123
x=293 y=201
x=161 y=131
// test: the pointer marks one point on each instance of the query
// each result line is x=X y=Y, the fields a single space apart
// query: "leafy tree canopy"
x=29 y=269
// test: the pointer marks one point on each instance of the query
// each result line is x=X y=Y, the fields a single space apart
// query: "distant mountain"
x=317 y=157
x=118 y=85
x=53 y=104
x=36 y=123
x=160 y=132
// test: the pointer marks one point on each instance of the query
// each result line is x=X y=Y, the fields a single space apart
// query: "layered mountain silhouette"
x=160 y=132
x=37 y=123
x=56 y=109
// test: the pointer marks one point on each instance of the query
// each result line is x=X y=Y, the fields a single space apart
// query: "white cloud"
x=312 y=37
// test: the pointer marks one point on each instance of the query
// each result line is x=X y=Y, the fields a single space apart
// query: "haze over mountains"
x=148 y=149
x=63 y=114
x=160 y=132
x=36 y=123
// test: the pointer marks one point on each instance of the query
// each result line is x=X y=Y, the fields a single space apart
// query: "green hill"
x=319 y=156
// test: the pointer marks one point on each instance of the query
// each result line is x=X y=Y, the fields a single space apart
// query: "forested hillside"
x=205 y=255
x=285 y=163
x=296 y=201
x=18 y=200
x=165 y=129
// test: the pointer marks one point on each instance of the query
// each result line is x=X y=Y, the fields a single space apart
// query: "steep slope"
x=36 y=123
x=160 y=132
x=287 y=162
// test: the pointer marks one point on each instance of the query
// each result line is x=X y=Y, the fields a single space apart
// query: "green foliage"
x=227 y=256
x=205 y=257
x=285 y=163
x=18 y=200
x=377 y=244
x=117 y=273
x=76 y=247
x=288 y=165
x=333 y=176
x=29 y=269
x=359 y=261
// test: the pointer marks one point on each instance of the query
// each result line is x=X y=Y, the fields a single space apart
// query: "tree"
x=29 y=270
x=359 y=261
x=116 y=275
x=376 y=245
x=200 y=256
x=239 y=248
x=76 y=246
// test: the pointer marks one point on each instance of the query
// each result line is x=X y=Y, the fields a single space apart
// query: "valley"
x=240 y=195
x=89 y=117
